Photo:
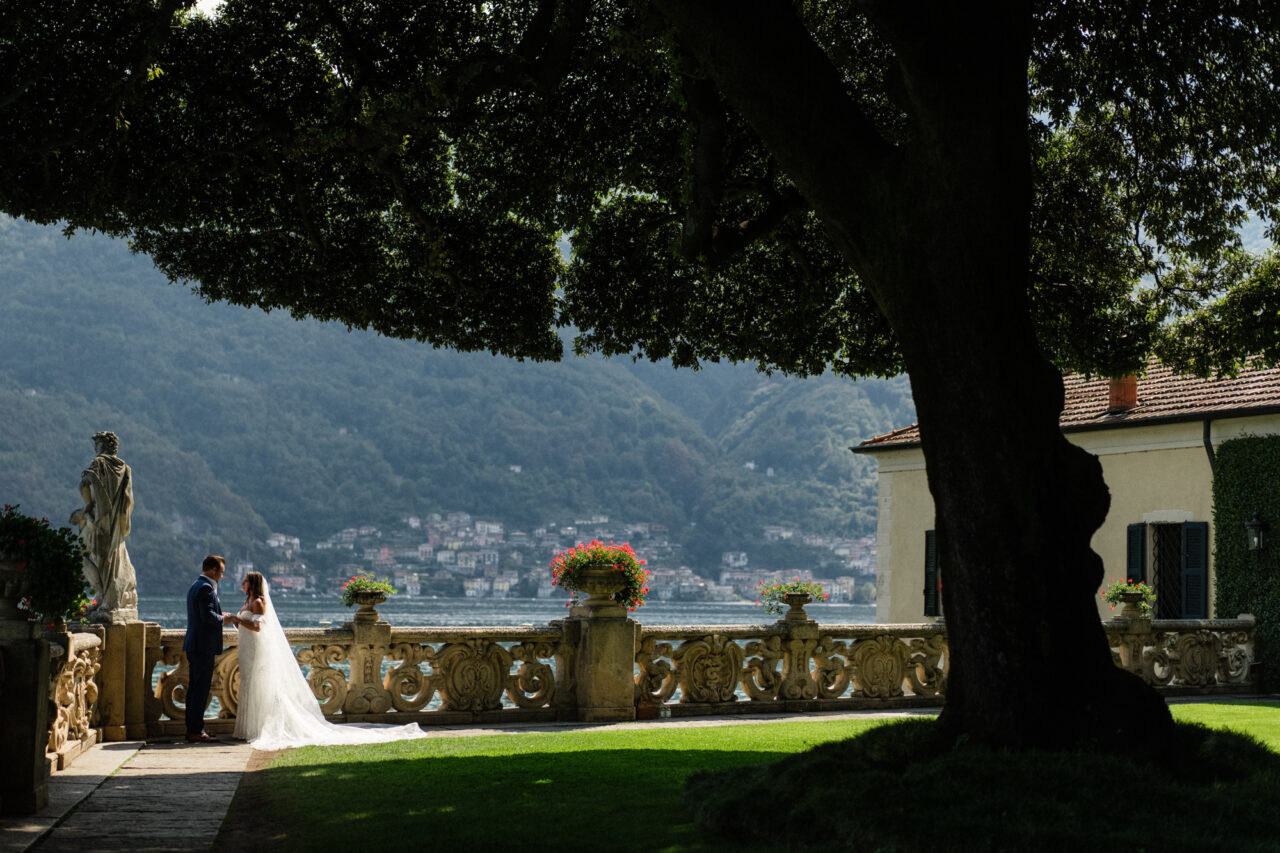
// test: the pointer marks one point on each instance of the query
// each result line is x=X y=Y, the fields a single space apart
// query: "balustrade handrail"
x=1244 y=620
x=301 y=636
x=746 y=632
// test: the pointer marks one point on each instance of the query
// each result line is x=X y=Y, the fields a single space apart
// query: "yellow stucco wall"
x=1155 y=473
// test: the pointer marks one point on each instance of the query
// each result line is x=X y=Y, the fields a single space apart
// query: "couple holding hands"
x=277 y=709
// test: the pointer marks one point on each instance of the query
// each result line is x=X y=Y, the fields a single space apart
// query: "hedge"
x=1246 y=479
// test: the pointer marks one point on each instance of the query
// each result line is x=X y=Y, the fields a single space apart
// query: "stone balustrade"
x=1178 y=656
x=790 y=666
x=584 y=668
x=377 y=673
x=75 y=660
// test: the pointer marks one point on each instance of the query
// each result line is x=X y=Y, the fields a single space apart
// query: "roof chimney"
x=1123 y=394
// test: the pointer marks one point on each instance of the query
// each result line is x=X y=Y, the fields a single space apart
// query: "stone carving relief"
x=328 y=684
x=75 y=695
x=471 y=676
x=708 y=669
x=533 y=685
x=656 y=677
x=761 y=680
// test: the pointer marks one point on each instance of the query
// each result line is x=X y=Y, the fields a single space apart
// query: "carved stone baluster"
x=328 y=684
x=365 y=693
x=533 y=685
x=1157 y=662
x=655 y=678
x=1235 y=663
x=1197 y=661
x=61 y=691
x=226 y=682
x=171 y=689
x=831 y=669
x=798 y=681
x=930 y=665
x=881 y=666
x=410 y=688
x=472 y=675
x=761 y=680
x=708 y=669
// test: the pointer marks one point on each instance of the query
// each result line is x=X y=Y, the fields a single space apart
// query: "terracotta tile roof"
x=1162 y=396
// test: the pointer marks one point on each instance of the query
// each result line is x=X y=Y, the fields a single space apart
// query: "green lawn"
x=605 y=789
x=1260 y=719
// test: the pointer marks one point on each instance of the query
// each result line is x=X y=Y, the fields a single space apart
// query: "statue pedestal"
x=605 y=682
x=119 y=616
x=123 y=681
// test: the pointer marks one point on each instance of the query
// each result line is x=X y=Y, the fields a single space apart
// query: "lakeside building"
x=1155 y=437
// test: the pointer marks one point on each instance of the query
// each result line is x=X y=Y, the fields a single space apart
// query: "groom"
x=203 y=643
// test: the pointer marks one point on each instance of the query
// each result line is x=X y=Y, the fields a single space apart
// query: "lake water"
x=406 y=611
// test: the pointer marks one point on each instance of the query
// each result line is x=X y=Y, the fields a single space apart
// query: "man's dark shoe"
x=203 y=737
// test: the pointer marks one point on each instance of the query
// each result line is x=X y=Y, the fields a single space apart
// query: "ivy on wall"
x=1246 y=479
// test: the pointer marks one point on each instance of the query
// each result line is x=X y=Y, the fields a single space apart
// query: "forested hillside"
x=238 y=423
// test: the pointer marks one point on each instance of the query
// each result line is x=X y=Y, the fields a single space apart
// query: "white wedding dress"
x=277 y=709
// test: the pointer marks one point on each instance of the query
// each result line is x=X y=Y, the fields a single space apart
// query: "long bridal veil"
x=277 y=709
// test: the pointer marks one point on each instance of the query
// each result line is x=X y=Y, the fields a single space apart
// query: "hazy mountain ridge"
x=237 y=422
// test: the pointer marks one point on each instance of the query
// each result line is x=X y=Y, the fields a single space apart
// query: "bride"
x=277 y=709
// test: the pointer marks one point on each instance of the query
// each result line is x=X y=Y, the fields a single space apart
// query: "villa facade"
x=1155 y=437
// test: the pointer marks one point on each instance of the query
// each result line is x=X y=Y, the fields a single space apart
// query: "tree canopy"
x=409 y=167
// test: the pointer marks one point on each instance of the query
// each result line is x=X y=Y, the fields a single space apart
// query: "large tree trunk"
x=1017 y=504
x=938 y=229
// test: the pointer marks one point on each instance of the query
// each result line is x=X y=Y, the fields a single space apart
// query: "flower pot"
x=600 y=582
x=367 y=600
x=1132 y=605
x=796 y=601
x=14 y=584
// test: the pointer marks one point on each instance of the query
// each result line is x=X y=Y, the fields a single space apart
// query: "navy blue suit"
x=202 y=644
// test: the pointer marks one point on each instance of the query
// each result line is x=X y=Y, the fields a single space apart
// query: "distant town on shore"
x=455 y=555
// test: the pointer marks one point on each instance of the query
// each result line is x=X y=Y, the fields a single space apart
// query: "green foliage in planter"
x=364 y=583
x=53 y=560
x=1245 y=482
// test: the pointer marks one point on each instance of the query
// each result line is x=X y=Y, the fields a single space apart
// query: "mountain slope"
x=237 y=422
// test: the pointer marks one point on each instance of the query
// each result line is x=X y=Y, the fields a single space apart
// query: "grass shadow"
x=889 y=790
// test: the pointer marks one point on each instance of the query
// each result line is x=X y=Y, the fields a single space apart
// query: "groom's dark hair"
x=212 y=563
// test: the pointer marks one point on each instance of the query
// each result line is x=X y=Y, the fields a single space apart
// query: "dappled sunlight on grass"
x=609 y=789
x=539 y=791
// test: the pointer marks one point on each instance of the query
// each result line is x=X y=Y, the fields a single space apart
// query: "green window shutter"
x=932 y=591
x=1195 y=570
x=1135 y=557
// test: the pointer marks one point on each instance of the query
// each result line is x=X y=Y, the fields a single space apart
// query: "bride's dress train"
x=277 y=709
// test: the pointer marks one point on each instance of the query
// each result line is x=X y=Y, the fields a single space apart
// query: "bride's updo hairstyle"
x=257 y=584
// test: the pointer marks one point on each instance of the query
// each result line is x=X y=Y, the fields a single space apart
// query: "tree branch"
x=768 y=67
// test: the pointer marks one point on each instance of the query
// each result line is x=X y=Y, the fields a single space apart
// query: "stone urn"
x=600 y=581
x=14 y=584
x=1131 y=605
x=367 y=602
x=796 y=601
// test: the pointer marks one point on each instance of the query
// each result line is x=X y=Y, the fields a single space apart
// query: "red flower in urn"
x=569 y=567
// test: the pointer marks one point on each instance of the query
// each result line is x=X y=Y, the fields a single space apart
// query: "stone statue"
x=107 y=488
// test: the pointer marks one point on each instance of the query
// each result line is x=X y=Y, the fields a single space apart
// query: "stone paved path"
x=134 y=796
